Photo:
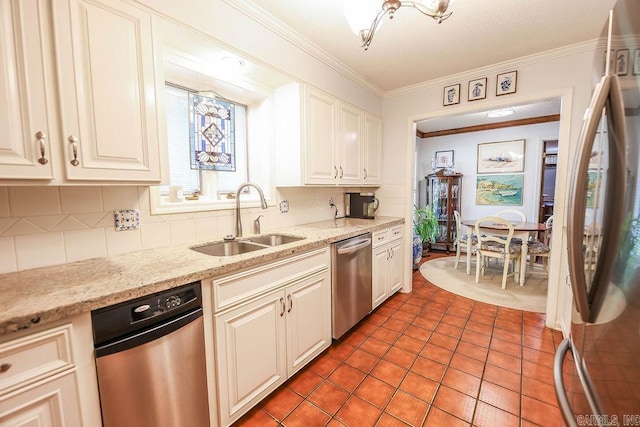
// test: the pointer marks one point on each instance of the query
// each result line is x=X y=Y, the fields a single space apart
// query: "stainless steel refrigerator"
x=597 y=369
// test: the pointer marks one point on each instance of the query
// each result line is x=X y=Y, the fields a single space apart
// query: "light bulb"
x=361 y=13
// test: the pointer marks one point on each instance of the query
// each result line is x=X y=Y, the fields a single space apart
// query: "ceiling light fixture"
x=503 y=112
x=365 y=18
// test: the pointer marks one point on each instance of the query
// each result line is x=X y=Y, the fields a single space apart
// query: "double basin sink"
x=250 y=244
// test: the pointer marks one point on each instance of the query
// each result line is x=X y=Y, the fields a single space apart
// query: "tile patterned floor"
x=426 y=358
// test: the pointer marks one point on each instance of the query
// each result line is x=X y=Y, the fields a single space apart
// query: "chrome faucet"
x=263 y=203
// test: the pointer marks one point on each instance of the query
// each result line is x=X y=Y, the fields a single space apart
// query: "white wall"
x=567 y=73
x=269 y=46
x=465 y=147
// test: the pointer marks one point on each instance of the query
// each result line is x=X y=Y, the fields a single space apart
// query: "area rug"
x=530 y=297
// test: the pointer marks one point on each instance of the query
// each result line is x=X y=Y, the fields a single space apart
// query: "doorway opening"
x=548 y=179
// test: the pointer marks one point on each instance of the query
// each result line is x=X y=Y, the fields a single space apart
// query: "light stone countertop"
x=47 y=294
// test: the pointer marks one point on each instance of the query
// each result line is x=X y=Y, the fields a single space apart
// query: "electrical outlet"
x=126 y=219
x=284 y=206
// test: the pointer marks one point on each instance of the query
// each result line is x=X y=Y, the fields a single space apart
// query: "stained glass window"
x=212 y=130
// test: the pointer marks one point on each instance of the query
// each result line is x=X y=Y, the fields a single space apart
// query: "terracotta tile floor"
x=426 y=358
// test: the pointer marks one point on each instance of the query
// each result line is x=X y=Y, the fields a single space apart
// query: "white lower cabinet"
x=251 y=354
x=50 y=403
x=308 y=320
x=266 y=338
x=47 y=377
x=387 y=263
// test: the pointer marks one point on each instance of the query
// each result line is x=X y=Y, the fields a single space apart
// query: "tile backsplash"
x=42 y=226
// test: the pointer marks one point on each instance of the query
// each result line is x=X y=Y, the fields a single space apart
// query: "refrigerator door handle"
x=588 y=301
x=613 y=217
x=558 y=381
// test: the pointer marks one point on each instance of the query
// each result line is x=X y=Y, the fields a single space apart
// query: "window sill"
x=160 y=205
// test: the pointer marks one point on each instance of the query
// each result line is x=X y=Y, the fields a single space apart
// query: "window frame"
x=159 y=201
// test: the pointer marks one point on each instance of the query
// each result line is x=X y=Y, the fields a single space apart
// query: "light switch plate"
x=284 y=206
x=126 y=219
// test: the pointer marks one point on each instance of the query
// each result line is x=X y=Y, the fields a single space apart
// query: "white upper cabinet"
x=106 y=83
x=25 y=148
x=319 y=125
x=371 y=150
x=349 y=142
x=79 y=89
x=321 y=140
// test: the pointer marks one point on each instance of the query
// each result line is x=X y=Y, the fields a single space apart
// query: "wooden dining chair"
x=496 y=246
x=511 y=213
x=541 y=248
x=461 y=241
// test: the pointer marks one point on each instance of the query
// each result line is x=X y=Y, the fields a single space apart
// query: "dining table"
x=521 y=230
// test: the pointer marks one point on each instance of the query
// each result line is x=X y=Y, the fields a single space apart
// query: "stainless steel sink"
x=238 y=247
x=227 y=248
x=274 y=239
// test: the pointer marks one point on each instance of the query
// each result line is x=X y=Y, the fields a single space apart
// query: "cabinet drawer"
x=231 y=290
x=34 y=357
x=379 y=238
x=396 y=232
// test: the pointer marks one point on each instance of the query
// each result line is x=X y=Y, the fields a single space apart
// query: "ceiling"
x=413 y=48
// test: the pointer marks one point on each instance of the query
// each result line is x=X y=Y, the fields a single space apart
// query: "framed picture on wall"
x=478 y=89
x=444 y=159
x=622 y=62
x=636 y=62
x=506 y=156
x=500 y=190
x=451 y=95
x=506 y=83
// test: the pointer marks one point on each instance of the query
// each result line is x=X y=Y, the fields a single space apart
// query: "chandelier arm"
x=438 y=16
x=367 y=35
x=391 y=6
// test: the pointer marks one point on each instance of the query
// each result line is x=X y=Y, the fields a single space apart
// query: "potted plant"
x=425 y=224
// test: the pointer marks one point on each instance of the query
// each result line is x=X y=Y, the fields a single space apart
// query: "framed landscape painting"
x=593 y=188
x=507 y=156
x=499 y=190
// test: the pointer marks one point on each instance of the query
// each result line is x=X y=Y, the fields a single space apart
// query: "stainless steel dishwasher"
x=150 y=360
x=350 y=282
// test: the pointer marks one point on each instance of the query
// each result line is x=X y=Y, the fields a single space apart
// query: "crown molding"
x=270 y=22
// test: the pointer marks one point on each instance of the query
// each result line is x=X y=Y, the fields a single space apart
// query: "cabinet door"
x=250 y=354
x=24 y=123
x=395 y=266
x=380 y=256
x=308 y=320
x=371 y=150
x=320 y=119
x=349 y=137
x=50 y=403
x=105 y=67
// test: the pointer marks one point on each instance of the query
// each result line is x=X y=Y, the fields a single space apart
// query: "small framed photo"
x=478 y=89
x=506 y=83
x=622 y=62
x=451 y=95
x=444 y=159
x=636 y=62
